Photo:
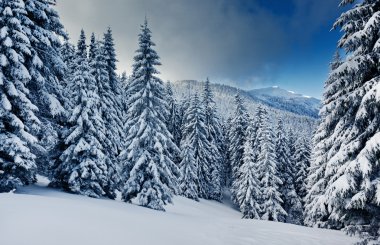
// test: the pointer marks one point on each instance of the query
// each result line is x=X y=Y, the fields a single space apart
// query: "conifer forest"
x=130 y=152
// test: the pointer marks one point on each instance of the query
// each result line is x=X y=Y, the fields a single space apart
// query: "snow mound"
x=38 y=215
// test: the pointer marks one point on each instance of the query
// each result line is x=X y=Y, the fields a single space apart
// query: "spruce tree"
x=108 y=112
x=110 y=55
x=124 y=80
x=17 y=112
x=149 y=171
x=67 y=52
x=188 y=181
x=215 y=138
x=258 y=121
x=315 y=209
x=119 y=108
x=286 y=168
x=82 y=167
x=237 y=139
x=302 y=164
x=267 y=167
x=344 y=178
x=195 y=134
x=292 y=138
x=173 y=120
x=226 y=167
x=43 y=28
x=247 y=187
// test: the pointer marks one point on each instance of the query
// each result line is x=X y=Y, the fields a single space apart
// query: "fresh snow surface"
x=38 y=215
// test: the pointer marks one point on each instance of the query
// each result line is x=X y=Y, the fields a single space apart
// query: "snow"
x=40 y=215
x=55 y=106
x=5 y=103
x=8 y=42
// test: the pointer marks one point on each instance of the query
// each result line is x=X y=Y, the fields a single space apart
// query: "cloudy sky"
x=245 y=43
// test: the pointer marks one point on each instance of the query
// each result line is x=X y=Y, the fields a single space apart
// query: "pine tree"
x=149 y=171
x=17 y=112
x=239 y=125
x=195 y=134
x=188 y=181
x=248 y=186
x=344 y=178
x=215 y=138
x=82 y=167
x=267 y=166
x=286 y=169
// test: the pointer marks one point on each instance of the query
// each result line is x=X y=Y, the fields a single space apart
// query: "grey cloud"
x=196 y=38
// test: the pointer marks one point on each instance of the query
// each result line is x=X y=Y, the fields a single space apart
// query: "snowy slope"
x=224 y=98
x=38 y=215
x=287 y=100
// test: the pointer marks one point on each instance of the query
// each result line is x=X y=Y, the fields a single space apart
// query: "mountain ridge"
x=302 y=122
x=275 y=97
x=287 y=100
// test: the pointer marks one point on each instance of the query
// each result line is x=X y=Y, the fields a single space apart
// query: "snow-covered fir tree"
x=302 y=164
x=188 y=181
x=111 y=60
x=124 y=80
x=316 y=182
x=258 y=121
x=247 y=186
x=43 y=28
x=345 y=178
x=292 y=138
x=17 y=112
x=67 y=52
x=215 y=138
x=149 y=171
x=226 y=167
x=287 y=169
x=267 y=167
x=108 y=100
x=195 y=133
x=173 y=120
x=82 y=166
x=238 y=127
x=108 y=112
x=115 y=84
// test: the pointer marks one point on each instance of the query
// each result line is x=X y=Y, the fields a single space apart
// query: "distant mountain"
x=287 y=100
x=298 y=112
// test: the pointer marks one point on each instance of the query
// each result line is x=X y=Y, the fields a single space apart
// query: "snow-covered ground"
x=38 y=215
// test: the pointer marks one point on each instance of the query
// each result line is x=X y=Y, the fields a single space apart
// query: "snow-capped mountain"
x=298 y=112
x=287 y=100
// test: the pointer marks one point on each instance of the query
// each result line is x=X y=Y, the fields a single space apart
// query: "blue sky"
x=245 y=43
